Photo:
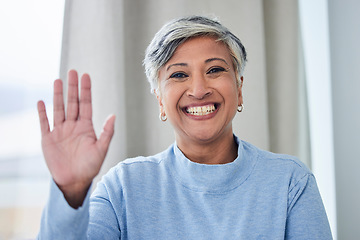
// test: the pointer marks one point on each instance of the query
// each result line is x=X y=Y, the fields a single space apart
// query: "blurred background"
x=300 y=89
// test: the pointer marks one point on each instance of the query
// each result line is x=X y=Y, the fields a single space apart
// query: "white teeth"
x=200 y=111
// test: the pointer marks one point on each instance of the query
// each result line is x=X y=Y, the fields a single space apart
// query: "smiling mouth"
x=201 y=110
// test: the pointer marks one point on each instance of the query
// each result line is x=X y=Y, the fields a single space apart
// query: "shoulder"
x=275 y=159
x=139 y=166
x=282 y=167
x=145 y=161
x=133 y=171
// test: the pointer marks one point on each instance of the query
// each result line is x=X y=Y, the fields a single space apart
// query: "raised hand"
x=72 y=151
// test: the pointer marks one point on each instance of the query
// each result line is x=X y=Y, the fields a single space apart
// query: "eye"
x=178 y=75
x=216 y=70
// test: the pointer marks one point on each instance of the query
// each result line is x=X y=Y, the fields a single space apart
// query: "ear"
x=158 y=96
x=240 y=96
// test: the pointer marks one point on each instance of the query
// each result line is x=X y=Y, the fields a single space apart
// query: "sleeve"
x=60 y=221
x=104 y=222
x=95 y=219
x=306 y=213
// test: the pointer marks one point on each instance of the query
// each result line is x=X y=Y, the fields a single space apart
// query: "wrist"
x=75 y=194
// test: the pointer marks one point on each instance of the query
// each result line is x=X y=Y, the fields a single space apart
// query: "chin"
x=204 y=137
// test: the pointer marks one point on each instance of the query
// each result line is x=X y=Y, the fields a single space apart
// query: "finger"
x=107 y=134
x=59 y=111
x=44 y=122
x=72 y=112
x=85 y=98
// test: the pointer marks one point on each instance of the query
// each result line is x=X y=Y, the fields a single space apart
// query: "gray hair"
x=176 y=32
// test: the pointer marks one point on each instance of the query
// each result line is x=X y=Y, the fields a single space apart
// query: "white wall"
x=344 y=19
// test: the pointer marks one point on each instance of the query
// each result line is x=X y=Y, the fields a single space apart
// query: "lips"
x=201 y=110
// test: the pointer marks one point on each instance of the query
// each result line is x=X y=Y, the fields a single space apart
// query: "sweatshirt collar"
x=215 y=178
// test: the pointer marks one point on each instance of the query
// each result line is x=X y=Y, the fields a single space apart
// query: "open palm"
x=72 y=151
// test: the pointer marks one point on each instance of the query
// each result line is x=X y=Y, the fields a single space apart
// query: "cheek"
x=227 y=88
x=171 y=97
x=230 y=95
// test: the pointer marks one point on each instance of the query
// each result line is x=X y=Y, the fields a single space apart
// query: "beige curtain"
x=107 y=39
x=285 y=86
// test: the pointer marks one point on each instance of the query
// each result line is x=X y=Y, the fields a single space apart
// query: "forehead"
x=200 y=49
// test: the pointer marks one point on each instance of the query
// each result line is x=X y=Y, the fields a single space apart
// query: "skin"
x=201 y=73
x=72 y=151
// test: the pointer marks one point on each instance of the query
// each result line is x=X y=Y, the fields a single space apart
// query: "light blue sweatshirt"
x=260 y=195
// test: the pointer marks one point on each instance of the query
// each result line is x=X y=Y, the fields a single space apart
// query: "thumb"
x=106 y=135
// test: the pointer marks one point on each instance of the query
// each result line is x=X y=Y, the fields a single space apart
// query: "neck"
x=221 y=151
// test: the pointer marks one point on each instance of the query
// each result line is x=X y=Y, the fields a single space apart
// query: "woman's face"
x=199 y=92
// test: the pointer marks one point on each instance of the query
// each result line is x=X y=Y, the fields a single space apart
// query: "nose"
x=199 y=88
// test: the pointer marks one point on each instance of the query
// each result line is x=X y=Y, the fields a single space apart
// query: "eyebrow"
x=176 y=64
x=216 y=59
x=206 y=61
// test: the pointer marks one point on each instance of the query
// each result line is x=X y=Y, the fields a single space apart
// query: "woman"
x=207 y=185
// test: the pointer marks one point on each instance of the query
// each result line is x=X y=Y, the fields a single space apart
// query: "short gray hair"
x=176 y=32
